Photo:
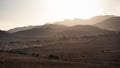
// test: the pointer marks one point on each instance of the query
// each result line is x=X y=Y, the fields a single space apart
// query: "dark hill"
x=5 y=35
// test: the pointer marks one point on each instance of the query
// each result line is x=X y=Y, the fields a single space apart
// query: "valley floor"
x=84 y=52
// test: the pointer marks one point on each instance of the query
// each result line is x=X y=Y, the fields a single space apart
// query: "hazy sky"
x=17 y=13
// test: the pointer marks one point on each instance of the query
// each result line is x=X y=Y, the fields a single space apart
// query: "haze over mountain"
x=70 y=28
x=20 y=29
x=69 y=22
x=90 y=21
x=60 y=30
x=112 y=23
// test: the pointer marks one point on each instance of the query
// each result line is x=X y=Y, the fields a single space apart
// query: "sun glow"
x=63 y=9
x=17 y=13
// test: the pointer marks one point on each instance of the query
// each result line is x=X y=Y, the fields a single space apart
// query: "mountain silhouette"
x=110 y=24
x=60 y=30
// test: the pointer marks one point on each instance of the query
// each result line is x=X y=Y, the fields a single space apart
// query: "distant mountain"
x=41 y=31
x=97 y=19
x=59 y=30
x=20 y=29
x=110 y=24
x=69 y=22
x=78 y=21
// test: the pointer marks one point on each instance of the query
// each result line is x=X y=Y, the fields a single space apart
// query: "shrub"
x=51 y=56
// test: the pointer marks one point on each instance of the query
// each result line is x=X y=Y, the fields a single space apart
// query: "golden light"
x=69 y=9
